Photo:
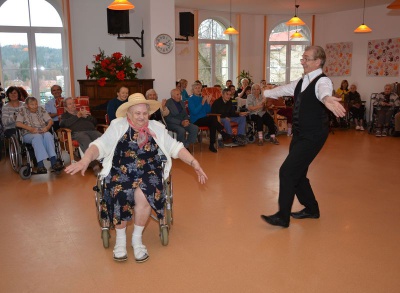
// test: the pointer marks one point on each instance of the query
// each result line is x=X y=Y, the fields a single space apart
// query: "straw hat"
x=136 y=99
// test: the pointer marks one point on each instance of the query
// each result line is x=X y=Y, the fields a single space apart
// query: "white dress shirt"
x=323 y=87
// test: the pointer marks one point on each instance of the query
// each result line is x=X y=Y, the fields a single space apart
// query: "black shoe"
x=303 y=214
x=57 y=166
x=213 y=149
x=275 y=220
x=41 y=170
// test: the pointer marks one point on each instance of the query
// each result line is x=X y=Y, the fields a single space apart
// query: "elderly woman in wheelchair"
x=35 y=124
x=132 y=147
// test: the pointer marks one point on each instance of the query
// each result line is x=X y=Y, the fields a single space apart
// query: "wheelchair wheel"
x=251 y=139
x=164 y=235
x=15 y=153
x=25 y=172
x=105 y=235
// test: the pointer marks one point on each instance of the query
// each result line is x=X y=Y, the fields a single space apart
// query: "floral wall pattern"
x=383 y=57
x=338 y=59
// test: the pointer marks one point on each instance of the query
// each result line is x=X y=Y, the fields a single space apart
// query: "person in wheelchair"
x=256 y=104
x=132 y=168
x=83 y=127
x=356 y=108
x=36 y=123
x=385 y=103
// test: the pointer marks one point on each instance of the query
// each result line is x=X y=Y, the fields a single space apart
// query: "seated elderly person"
x=178 y=119
x=133 y=172
x=353 y=99
x=82 y=125
x=160 y=113
x=36 y=123
x=224 y=107
x=11 y=109
x=385 y=103
x=199 y=107
x=256 y=104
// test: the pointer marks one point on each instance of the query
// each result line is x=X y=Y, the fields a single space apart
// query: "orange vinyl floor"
x=50 y=236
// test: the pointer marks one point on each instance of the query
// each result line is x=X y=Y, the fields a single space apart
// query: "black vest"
x=309 y=113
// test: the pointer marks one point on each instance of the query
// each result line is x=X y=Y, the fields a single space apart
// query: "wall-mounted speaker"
x=118 y=21
x=186 y=24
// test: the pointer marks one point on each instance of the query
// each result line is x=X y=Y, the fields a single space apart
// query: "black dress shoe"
x=303 y=214
x=212 y=148
x=275 y=220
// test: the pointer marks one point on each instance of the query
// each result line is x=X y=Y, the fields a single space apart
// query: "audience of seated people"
x=256 y=104
x=184 y=93
x=355 y=106
x=112 y=106
x=178 y=120
x=160 y=113
x=343 y=90
x=54 y=103
x=83 y=127
x=385 y=103
x=11 y=109
x=36 y=123
x=224 y=107
x=199 y=107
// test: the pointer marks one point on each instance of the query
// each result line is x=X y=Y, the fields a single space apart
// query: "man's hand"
x=332 y=103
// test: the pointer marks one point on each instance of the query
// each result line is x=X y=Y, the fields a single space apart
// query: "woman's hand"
x=33 y=130
x=200 y=173
x=74 y=168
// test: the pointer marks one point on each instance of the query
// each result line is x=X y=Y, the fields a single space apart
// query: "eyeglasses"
x=306 y=60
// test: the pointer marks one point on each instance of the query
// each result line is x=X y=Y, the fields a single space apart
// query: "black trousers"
x=265 y=119
x=293 y=172
x=212 y=123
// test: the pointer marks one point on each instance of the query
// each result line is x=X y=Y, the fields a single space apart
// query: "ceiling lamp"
x=296 y=35
x=121 y=5
x=394 y=5
x=230 y=30
x=295 y=20
x=363 y=28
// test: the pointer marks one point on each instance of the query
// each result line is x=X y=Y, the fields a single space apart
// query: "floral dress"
x=132 y=168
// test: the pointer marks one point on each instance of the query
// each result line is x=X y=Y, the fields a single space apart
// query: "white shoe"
x=358 y=127
x=140 y=252
x=120 y=253
x=362 y=128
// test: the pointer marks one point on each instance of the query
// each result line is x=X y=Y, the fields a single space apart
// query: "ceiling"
x=279 y=6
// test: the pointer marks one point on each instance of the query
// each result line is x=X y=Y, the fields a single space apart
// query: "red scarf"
x=143 y=133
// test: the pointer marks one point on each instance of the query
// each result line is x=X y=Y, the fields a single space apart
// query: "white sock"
x=120 y=241
x=260 y=135
x=137 y=235
x=272 y=135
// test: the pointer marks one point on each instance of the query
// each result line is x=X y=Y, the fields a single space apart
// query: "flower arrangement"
x=112 y=68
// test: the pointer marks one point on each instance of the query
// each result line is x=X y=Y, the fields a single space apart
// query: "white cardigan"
x=108 y=142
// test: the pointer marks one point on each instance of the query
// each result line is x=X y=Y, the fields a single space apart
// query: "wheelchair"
x=106 y=225
x=373 y=114
x=22 y=155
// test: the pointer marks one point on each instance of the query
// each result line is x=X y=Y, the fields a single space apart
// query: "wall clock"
x=164 y=43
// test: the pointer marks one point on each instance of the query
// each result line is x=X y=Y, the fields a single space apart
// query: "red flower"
x=138 y=65
x=87 y=72
x=117 y=55
x=104 y=63
x=101 y=81
x=97 y=57
x=121 y=75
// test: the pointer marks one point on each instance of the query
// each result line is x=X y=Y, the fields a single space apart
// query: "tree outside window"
x=214 y=53
x=284 y=53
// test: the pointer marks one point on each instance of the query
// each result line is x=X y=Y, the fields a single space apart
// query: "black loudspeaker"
x=118 y=21
x=186 y=24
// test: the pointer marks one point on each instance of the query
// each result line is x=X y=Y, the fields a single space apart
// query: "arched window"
x=215 y=55
x=284 y=53
x=32 y=50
